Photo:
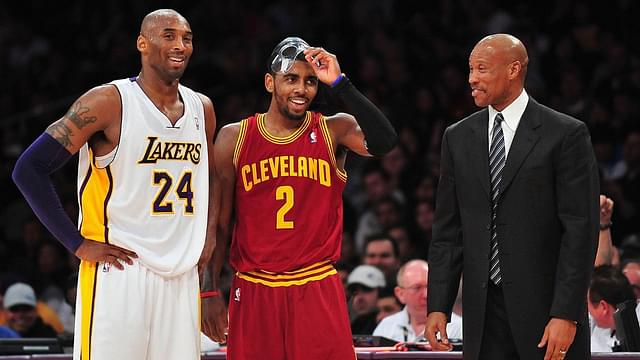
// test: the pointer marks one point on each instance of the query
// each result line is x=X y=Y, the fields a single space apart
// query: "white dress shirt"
x=512 y=115
x=603 y=339
x=398 y=328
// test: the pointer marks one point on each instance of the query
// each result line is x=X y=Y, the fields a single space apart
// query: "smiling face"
x=497 y=66
x=21 y=318
x=165 y=43
x=293 y=92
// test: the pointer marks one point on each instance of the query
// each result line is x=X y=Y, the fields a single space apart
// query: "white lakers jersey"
x=150 y=194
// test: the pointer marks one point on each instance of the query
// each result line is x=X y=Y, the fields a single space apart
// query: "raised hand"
x=324 y=64
x=606 y=209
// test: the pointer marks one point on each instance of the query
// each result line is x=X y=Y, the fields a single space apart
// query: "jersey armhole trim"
x=101 y=162
x=329 y=142
x=240 y=141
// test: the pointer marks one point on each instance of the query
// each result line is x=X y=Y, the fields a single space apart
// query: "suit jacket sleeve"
x=577 y=191
x=445 y=252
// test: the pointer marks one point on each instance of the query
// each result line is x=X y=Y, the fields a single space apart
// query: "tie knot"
x=499 y=118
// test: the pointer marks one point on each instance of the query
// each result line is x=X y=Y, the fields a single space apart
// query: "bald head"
x=497 y=70
x=410 y=270
x=508 y=47
x=159 y=17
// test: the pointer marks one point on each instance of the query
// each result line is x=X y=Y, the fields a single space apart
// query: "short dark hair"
x=608 y=283
x=383 y=237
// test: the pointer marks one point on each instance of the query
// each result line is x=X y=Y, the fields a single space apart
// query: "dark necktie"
x=496 y=165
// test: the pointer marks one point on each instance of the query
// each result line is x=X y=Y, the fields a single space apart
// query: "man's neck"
x=280 y=125
x=158 y=89
x=417 y=319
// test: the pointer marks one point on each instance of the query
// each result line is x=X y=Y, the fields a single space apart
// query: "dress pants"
x=497 y=339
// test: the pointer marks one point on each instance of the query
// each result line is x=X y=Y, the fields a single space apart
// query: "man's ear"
x=141 y=43
x=268 y=82
x=515 y=69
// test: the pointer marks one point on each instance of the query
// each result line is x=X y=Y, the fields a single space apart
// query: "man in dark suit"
x=517 y=211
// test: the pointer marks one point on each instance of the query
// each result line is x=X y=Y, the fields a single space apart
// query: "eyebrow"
x=189 y=32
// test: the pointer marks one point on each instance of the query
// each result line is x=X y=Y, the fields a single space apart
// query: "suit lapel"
x=525 y=139
x=479 y=148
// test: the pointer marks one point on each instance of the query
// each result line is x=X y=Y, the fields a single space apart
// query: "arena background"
x=410 y=58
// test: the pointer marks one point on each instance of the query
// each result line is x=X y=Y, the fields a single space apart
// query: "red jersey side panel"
x=288 y=197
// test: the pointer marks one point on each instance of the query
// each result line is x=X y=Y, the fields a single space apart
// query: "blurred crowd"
x=409 y=58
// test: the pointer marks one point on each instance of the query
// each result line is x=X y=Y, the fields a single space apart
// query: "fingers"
x=122 y=255
x=555 y=352
x=544 y=339
x=113 y=260
x=558 y=337
x=319 y=56
x=443 y=343
x=125 y=251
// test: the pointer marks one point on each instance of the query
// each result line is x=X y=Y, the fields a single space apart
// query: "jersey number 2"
x=285 y=193
x=161 y=206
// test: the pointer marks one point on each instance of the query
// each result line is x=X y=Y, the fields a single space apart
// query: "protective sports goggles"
x=289 y=51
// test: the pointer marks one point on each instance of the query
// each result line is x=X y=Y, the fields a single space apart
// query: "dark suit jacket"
x=547 y=224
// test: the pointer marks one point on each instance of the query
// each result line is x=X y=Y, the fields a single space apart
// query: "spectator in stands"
x=407 y=249
x=364 y=285
x=608 y=288
x=377 y=185
x=631 y=270
x=408 y=325
x=388 y=304
x=20 y=303
x=381 y=251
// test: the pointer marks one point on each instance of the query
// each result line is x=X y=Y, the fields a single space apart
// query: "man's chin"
x=296 y=116
x=480 y=102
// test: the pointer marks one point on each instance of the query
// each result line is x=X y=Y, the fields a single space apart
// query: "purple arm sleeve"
x=31 y=175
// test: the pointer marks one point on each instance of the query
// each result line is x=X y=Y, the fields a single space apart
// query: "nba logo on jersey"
x=106 y=266
x=236 y=295
x=313 y=137
x=197 y=123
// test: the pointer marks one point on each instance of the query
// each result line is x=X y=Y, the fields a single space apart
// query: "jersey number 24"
x=162 y=206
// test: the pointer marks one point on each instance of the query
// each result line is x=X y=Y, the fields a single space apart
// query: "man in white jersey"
x=143 y=190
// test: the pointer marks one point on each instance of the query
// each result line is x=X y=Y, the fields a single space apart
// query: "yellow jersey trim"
x=329 y=141
x=240 y=141
x=87 y=287
x=305 y=275
x=286 y=139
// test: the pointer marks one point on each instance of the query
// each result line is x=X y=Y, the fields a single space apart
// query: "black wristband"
x=606 y=225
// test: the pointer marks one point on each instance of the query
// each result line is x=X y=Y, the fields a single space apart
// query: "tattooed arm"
x=94 y=117
x=96 y=112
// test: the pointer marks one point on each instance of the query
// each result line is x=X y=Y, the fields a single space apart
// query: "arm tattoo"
x=61 y=132
x=75 y=115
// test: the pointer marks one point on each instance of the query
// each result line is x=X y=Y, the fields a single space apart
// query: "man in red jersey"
x=282 y=174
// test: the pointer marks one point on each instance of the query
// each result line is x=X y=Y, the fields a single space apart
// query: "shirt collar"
x=404 y=317
x=513 y=112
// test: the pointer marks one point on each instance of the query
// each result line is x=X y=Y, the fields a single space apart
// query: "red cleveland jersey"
x=288 y=197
